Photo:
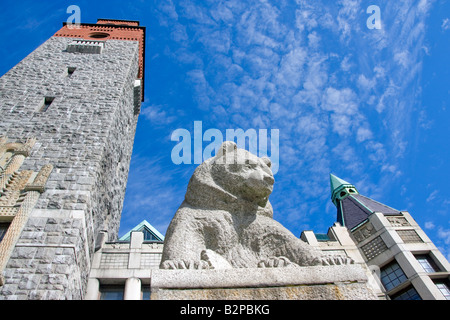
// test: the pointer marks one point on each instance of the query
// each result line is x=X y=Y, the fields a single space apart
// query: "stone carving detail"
x=17 y=196
x=25 y=149
x=41 y=179
x=374 y=248
x=16 y=183
x=8 y=211
x=364 y=232
x=398 y=221
x=226 y=220
x=86 y=46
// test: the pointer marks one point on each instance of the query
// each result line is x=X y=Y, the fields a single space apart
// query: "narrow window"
x=443 y=287
x=70 y=71
x=427 y=263
x=111 y=292
x=3 y=228
x=146 y=292
x=47 y=102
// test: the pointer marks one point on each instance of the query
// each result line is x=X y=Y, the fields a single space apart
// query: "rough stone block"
x=342 y=282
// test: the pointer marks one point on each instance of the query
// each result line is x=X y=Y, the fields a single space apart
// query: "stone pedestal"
x=338 y=282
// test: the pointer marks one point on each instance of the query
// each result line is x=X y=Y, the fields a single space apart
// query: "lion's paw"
x=185 y=264
x=330 y=260
x=276 y=262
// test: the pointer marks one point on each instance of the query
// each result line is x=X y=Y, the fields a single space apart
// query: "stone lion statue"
x=226 y=220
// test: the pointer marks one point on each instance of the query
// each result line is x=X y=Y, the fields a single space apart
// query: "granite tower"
x=68 y=118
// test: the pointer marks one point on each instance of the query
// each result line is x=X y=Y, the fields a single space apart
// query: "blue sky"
x=369 y=105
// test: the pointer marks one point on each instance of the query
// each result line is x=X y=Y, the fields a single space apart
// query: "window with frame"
x=111 y=292
x=146 y=293
x=427 y=263
x=408 y=294
x=443 y=287
x=148 y=235
x=392 y=275
x=409 y=236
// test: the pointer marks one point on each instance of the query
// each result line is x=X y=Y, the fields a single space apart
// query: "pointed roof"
x=353 y=209
x=150 y=232
x=336 y=182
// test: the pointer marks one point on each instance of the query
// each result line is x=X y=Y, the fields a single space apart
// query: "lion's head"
x=232 y=179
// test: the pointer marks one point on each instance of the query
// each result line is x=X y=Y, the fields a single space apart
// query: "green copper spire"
x=340 y=188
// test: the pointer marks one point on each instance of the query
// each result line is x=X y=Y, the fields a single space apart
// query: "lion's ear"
x=267 y=161
x=227 y=146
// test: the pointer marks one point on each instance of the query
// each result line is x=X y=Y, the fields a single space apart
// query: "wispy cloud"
x=342 y=95
x=445 y=24
x=157 y=115
x=444 y=236
x=432 y=196
x=152 y=191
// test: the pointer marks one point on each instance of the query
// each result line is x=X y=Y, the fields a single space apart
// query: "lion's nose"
x=269 y=179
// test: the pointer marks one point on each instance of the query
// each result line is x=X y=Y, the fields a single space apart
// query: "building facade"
x=401 y=261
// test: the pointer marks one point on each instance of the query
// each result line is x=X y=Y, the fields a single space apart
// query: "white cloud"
x=179 y=33
x=344 y=152
x=445 y=24
x=305 y=19
x=314 y=40
x=444 y=234
x=402 y=58
x=341 y=101
x=151 y=192
x=429 y=225
x=341 y=124
x=346 y=64
x=363 y=134
x=169 y=12
x=424 y=6
x=157 y=115
x=365 y=83
x=432 y=196
x=317 y=78
x=290 y=72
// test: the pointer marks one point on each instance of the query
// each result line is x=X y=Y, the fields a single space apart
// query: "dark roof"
x=375 y=206
x=351 y=213
x=355 y=209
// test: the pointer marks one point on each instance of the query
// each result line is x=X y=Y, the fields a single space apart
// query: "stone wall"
x=87 y=134
x=338 y=282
